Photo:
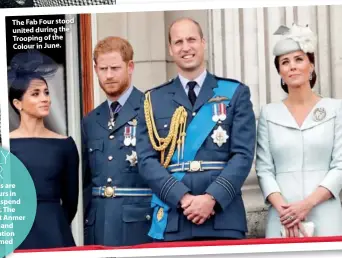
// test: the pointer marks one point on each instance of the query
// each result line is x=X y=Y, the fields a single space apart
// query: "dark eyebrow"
x=286 y=58
x=35 y=90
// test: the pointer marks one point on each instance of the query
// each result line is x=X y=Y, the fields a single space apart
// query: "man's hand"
x=186 y=200
x=200 y=208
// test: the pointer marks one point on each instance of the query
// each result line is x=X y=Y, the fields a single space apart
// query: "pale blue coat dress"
x=296 y=160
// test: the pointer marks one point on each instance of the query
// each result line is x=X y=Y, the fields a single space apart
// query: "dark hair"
x=311 y=57
x=19 y=87
x=186 y=19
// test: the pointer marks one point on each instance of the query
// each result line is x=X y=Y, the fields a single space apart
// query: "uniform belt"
x=113 y=191
x=197 y=166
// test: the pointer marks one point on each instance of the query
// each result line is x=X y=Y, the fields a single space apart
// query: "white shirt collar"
x=200 y=79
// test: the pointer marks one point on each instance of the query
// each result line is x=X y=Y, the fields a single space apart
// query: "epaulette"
x=159 y=86
x=227 y=79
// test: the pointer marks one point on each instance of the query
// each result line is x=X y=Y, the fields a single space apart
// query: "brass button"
x=111 y=137
x=194 y=113
x=109 y=180
x=90 y=149
x=148 y=217
x=110 y=157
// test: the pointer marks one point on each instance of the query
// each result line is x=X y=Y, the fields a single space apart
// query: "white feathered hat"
x=294 y=39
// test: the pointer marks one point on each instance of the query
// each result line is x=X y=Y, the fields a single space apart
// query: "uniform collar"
x=123 y=98
x=200 y=79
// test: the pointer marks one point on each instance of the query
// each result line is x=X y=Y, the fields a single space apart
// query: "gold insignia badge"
x=217 y=99
x=134 y=122
x=160 y=214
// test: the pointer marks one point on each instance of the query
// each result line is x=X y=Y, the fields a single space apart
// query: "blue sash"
x=196 y=133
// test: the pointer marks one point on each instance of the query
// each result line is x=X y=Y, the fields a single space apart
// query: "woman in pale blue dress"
x=299 y=146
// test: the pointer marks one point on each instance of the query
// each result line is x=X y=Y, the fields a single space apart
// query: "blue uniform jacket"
x=120 y=220
x=225 y=185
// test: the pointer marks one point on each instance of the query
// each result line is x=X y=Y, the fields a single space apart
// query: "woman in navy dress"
x=51 y=159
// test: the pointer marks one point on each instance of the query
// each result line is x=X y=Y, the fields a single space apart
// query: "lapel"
x=279 y=114
x=179 y=94
x=102 y=115
x=206 y=91
x=129 y=109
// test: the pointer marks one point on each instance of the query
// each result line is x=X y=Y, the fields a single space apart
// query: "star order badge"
x=133 y=159
x=319 y=114
x=219 y=136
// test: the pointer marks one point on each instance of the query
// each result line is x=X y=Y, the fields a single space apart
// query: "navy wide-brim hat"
x=294 y=39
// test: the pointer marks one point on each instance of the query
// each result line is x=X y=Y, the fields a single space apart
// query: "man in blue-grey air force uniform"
x=196 y=141
x=116 y=199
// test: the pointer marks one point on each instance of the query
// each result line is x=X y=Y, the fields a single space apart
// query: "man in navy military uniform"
x=196 y=140
x=116 y=199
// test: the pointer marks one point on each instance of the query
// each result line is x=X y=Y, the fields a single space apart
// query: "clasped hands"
x=291 y=217
x=197 y=208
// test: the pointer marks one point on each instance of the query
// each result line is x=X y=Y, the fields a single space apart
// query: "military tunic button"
x=165 y=125
x=90 y=149
x=148 y=217
x=110 y=157
x=86 y=221
x=194 y=113
x=111 y=137
x=109 y=180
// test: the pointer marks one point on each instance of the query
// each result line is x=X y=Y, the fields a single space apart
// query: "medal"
x=223 y=112
x=134 y=140
x=111 y=123
x=127 y=141
x=215 y=116
x=219 y=136
x=319 y=114
x=134 y=124
x=219 y=112
x=128 y=135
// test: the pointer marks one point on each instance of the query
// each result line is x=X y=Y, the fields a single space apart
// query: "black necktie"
x=115 y=108
x=192 y=95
